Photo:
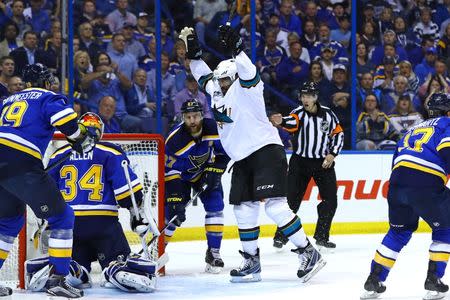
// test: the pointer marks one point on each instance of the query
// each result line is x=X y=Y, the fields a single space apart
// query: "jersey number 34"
x=90 y=181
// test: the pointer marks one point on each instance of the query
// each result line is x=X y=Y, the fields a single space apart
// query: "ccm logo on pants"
x=264 y=187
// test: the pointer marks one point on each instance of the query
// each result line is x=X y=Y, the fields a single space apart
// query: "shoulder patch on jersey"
x=108 y=148
x=60 y=151
x=171 y=134
x=203 y=81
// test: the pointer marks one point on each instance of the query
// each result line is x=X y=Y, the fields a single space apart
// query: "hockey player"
x=195 y=157
x=417 y=188
x=27 y=122
x=94 y=185
x=250 y=140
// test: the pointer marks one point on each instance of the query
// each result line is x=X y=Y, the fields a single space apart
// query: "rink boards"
x=362 y=207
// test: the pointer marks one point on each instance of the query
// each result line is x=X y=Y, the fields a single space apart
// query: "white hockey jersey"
x=244 y=104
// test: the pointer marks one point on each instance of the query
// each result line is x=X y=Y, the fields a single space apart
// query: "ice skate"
x=5 y=291
x=325 y=246
x=250 y=269
x=373 y=287
x=434 y=287
x=279 y=240
x=214 y=263
x=311 y=262
x=57 y=286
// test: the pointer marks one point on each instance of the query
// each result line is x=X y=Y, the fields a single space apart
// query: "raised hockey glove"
x=193 y=48
x=212 y=177
x=230 y=40
x=85 y=142
x=176 y=206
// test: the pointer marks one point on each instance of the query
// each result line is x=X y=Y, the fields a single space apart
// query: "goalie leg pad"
x=79 y=276
x=134 y=275
x=36 y=274
x=37 y=271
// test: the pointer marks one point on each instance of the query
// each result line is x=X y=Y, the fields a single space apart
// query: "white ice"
x=342 y=277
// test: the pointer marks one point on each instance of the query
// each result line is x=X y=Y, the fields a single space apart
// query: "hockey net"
x=146 y=155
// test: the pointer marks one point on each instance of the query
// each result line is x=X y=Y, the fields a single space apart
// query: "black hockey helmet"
x=191 y=105
x=37 y=75
x=309 y=87
x=438 y=105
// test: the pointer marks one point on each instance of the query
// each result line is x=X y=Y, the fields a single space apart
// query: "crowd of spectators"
x=402 y=59
x=115 y=53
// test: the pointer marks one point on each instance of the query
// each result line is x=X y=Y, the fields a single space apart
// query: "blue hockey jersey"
x=187 y=158
x=422 y=157
x=28 y=120
x=93 y=184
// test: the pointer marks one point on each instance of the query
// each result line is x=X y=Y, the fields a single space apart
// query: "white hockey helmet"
x=226 y=68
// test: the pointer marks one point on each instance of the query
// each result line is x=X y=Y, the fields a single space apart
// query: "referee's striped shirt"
x=315 y=135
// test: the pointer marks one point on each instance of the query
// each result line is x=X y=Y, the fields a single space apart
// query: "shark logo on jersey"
x=198 y=161
x=221 y=115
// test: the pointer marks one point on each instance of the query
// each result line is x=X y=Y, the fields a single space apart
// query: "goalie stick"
x=135 y=208
x=155 y=237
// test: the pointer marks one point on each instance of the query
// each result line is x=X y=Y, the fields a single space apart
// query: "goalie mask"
x=93 y=124
x=225 y=74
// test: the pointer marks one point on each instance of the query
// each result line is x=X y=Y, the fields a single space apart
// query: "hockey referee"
x=317 y=139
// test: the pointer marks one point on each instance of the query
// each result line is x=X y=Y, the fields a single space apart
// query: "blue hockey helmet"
x=438 y=105
x=191 y=105
x=37 y=75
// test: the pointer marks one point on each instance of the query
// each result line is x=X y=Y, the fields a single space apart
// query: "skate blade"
x=431 y=295
x=255 y=277
x=325 y=250
x=369 y=295
x=319 y=265
x=213 y=270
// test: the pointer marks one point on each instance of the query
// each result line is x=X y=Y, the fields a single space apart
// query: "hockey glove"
x=212 y=176
x=176 y=206
x=139 y=224
x=231 y=40
x=85 y=142
x=193 y=48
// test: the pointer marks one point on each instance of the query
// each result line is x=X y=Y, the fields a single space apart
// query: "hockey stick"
x=135 y=207
x=232 y=13
x=155 y=237
x=59 y=161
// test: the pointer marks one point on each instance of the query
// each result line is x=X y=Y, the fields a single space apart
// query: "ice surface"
x=342 y=277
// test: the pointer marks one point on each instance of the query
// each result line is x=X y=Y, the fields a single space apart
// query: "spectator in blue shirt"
x=342 y=34
x=168 y=90
x=292 y=71
x=288 y=19
x=106 y=86
x=191 y=91
x=40 y=20
x=127 y=62
x=425 y=68
x=106 y=111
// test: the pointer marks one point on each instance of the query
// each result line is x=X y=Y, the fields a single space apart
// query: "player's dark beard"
x=195 y=130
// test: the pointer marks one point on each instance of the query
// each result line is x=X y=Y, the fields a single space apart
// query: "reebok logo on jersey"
x=264 y=187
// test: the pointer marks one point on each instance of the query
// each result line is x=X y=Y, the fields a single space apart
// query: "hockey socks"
x=9 y=229
x=214 y=228
x=249 y=239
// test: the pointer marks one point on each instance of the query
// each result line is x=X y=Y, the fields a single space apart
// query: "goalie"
x=94 y=185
